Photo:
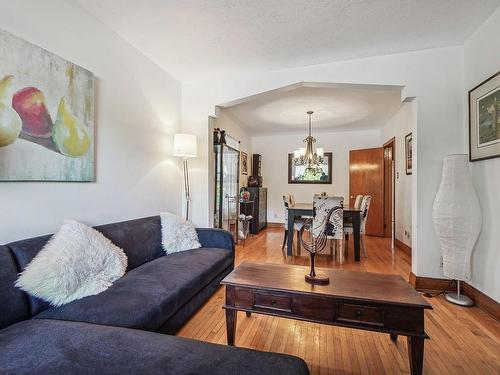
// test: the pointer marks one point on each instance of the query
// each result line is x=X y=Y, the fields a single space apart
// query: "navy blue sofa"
x=119 y=330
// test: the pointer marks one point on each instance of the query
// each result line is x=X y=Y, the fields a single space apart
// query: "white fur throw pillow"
x=177 y=234
x=77 y=262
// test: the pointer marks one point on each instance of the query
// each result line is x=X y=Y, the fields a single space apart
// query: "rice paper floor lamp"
x=457 y=221
x=185 y=147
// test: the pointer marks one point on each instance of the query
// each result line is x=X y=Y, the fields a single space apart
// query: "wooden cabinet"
x=259 y=196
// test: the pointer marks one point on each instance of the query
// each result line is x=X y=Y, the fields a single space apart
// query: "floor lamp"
x=457 y=221
x=185 y=147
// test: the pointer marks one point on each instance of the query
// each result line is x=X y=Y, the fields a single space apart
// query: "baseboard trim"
x=401 y=245
x=485 y=302
x=275 y=225
x=429 y=284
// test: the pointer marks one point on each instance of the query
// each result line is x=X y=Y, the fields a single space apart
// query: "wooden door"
x=366 y=177
x=388 y=187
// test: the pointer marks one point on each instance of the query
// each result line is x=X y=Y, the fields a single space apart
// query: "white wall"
x=482 y=60
x=402 y=123
x=434 y=76
x=137 y=112
x=275 y=149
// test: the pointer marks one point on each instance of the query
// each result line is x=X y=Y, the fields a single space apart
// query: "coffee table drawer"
x=314 y=308
x=272 y=302
x=359 y=314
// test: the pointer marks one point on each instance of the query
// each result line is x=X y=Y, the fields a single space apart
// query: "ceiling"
x=336 y=107
x=198 y=38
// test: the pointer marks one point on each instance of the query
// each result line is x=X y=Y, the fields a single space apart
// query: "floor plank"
x=463 y=340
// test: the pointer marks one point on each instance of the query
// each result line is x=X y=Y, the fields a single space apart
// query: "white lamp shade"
x=185 y=145
x=457 y=217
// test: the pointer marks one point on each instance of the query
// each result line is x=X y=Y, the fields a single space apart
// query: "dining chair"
x=365 y=209
x=297 y=224
x=328 y=220
x=357 y=205
x=357 y=202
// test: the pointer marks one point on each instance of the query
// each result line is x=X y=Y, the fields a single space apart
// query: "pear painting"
x=31 y=105
x=71 y=138
x=10 y=122
x=46 y=115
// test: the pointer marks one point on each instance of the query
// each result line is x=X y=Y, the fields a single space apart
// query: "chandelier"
x=308 y=156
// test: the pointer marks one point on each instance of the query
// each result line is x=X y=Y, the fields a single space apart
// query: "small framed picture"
x=408 y=153
x=244 y=163
x=484 y=120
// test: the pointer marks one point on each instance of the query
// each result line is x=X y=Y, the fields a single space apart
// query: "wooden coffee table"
x=362 y=300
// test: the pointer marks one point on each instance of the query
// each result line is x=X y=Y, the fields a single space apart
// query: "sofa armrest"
x=212 y=237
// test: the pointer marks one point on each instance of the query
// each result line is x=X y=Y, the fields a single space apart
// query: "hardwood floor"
x=463 y=340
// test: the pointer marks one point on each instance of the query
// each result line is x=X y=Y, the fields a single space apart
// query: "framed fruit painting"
x=46 y=115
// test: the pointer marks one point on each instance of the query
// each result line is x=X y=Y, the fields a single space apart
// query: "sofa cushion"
x=13 y=302
x=177 y=234
x=140 y=239
x=24 y=251
x=78 y=261
x=58 y=347
x=147 y=296
x=214 y=237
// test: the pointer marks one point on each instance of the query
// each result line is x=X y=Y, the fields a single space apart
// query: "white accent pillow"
x=77 y=262
x=177 y=234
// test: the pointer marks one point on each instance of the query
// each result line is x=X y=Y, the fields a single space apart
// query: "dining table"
x=306 y=209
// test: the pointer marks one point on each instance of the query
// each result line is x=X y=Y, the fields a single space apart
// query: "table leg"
x=356 y=227
x=416 y=354
x=231 y=316
x=289 y=246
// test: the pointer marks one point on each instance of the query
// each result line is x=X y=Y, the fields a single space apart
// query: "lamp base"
x=318 y=279
x=459 y=299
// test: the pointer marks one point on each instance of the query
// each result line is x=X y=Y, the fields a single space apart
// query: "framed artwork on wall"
x=408 y=154
x=244 y=163
x=300 y=174
x=484 y=119
x=47 y=115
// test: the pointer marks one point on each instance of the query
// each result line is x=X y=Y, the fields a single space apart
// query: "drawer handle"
x=273 y=302
x=358 y=314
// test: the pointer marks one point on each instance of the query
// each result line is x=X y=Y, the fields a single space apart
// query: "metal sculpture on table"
x=319 y=233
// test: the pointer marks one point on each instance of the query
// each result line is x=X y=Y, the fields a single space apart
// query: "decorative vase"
x=222 y=138
x=259 y=181
x=457 y=221
x=252 y=181
x=244 y=195
x=216 y=136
